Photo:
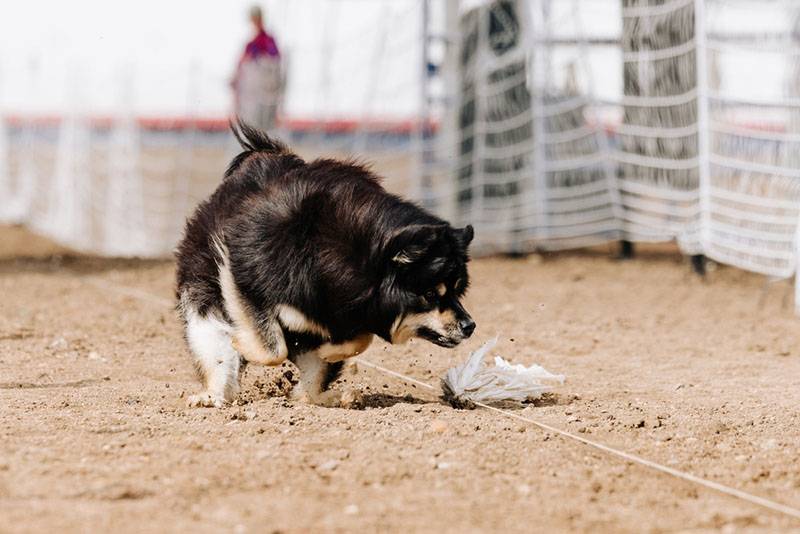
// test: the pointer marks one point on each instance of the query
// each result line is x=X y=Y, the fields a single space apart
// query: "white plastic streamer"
x=474 y=381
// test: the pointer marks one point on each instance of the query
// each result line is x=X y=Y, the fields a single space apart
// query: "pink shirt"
x=262 y=44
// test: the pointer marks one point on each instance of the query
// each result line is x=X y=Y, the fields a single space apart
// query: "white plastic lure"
x=473 y=381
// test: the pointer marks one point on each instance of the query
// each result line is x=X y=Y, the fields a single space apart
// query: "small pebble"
x=438 y=426
x=59 y=344
x=328 y=466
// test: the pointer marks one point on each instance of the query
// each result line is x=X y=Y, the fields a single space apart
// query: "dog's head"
x=428 y=277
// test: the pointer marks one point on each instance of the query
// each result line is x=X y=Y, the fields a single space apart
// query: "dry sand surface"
x=700 y=376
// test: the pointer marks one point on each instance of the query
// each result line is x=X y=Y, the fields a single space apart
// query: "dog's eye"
x=431 y=295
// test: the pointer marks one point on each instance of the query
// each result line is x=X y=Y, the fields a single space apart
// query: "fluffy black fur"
x=324 y=237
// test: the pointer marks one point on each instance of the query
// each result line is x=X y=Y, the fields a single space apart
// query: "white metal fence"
x=700 y=145
x=696 y=141
x=108 y=178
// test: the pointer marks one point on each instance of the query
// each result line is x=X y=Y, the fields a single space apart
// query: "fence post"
x=538 y=40
x=477 y=179
x=796 y=278
x=448 y=137
x=421 y=137
x=703 y=127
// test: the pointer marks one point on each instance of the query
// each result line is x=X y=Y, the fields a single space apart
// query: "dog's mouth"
x=438 y=339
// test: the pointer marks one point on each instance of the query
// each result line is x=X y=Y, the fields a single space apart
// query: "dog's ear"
x=467 y=233
x=412 y=243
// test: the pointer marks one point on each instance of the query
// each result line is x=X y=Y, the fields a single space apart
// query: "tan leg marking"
x=336 y=352
x=296 y=321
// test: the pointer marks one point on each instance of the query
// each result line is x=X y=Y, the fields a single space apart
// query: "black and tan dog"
x=307 y=261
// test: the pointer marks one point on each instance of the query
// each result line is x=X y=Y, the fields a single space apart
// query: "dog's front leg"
x=316 y=376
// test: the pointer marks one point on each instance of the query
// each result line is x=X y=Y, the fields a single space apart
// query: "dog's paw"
x=329 y=399
x=206 y=400
x=352 y=400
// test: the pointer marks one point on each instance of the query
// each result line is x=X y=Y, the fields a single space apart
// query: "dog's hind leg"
x=215 y=359
x=266 y=348
x=262 y=344
x=316 y=376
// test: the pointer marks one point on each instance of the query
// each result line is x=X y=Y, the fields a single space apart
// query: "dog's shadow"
x=549 y=399
x=384 y=400
x=546 y=399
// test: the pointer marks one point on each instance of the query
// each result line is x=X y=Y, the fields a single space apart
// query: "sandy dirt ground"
x=700 y=376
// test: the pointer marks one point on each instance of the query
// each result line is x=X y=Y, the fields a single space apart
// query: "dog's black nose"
x=467 y=326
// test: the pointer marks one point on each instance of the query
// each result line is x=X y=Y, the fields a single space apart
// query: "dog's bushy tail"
x=252 y=140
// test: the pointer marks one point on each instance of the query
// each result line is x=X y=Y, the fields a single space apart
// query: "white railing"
x=694 y=148
x=698 y=154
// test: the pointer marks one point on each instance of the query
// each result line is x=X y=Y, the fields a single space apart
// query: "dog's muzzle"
x=465 y=328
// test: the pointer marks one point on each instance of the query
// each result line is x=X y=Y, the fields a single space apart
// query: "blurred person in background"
x=259 y=82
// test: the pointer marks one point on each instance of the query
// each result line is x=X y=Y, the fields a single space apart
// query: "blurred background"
x=547 y=124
